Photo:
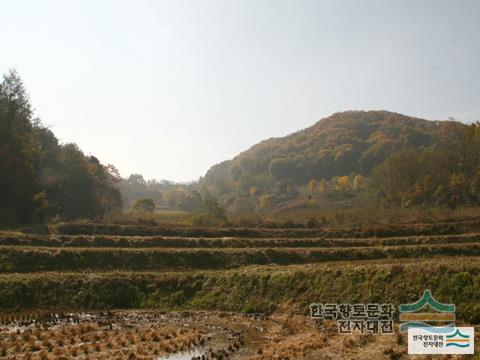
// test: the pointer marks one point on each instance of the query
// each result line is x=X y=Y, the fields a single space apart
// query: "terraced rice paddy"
x=126 y=291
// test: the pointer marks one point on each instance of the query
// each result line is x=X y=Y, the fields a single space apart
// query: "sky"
x=169 y=88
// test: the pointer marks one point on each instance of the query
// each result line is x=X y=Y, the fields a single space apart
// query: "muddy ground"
x=186 y=336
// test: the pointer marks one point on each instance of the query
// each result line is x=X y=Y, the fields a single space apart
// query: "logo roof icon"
x=427 y=299
x=461 y=341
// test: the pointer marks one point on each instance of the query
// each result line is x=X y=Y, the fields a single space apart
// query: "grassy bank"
x=35 y=259
x=252 y=289
x=414 y=229
x=116 y=241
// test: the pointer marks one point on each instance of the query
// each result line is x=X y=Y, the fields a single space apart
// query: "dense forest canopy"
x=445 y=174
x=336 y=153
x=344 y=143
x=41 y=178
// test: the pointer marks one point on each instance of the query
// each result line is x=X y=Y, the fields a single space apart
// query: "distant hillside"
x=352 y=142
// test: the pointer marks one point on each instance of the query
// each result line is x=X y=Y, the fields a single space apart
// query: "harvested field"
x=34 y=259
x=192 y=292
x=188 y=335
x=118 y=241
x=415 y=229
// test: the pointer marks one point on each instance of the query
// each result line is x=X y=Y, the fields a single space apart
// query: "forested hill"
x=352 y=142
x=41 y=178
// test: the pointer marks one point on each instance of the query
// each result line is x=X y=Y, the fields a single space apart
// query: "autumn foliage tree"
x=446 y=174
x=144 y=205
x=40 y=177
x=19 y=152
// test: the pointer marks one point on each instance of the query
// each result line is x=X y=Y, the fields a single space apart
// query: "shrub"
x=144 y=205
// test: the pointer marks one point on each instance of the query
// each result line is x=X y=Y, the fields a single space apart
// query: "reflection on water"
x=187 y=355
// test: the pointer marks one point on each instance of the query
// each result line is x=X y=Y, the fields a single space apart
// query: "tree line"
x=39 y=177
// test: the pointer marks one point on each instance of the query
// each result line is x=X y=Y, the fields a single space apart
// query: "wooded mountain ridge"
x=345 y=143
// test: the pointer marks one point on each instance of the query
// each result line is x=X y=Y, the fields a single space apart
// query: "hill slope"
x=342 y=144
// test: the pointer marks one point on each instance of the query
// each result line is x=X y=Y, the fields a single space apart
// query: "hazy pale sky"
x=169 y=88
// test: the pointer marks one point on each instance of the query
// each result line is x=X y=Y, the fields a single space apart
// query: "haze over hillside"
x=349 y=159
x=205 y=80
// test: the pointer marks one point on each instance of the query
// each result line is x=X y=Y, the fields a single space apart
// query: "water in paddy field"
x=187 y=355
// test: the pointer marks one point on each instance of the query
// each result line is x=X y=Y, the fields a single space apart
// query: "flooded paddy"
x=129 y=334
